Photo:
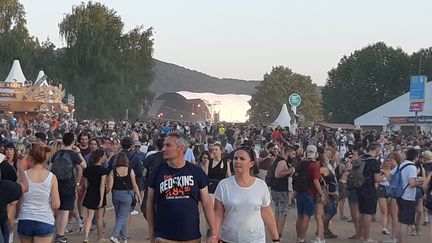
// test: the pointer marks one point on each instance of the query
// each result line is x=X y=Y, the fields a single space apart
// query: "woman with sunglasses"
x=242 y=205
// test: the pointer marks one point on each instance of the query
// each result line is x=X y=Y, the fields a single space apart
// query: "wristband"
x=276 y=240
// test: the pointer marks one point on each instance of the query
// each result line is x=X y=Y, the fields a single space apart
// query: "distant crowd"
x=245 y=178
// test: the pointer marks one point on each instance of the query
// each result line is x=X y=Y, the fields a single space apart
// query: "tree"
x=105 y=68
x=274 y=91
x=365 y=80
x=425 y=56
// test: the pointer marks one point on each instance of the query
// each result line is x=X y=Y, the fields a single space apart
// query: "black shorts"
x=406 y=212
x=382 y=191
x=67 y=198
x=367 y=200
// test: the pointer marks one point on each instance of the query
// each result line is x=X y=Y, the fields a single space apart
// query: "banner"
x=7 y=95
x=12 y=85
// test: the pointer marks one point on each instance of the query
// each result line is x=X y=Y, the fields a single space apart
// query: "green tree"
x=365 y=80
x=274 y=91
x=425 y=67
x=106 y=70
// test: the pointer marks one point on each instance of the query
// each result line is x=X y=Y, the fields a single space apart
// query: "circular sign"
x=294 y=99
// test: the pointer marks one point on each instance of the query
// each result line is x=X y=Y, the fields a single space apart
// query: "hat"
x=427 y=155
x=9 y=145
x=348 y=154
x=311 y=151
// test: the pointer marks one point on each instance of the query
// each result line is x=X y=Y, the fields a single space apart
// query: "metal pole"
x=415 y=125
x=416 y=113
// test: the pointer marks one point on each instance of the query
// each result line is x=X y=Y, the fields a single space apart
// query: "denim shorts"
x=352 y=196
x=305 y=204
x=31 y=228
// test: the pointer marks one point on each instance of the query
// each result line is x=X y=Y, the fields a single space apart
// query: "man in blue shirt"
x=175 y=188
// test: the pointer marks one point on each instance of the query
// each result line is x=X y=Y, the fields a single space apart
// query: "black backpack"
x=62 y=166
x=301 y=178
x=269 y=178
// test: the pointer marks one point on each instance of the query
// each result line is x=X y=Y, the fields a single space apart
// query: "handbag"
x=134 y=201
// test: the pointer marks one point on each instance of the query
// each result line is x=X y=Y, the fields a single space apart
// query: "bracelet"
x=276 y=240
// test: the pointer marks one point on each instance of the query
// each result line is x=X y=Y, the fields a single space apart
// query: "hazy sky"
x=244 y=39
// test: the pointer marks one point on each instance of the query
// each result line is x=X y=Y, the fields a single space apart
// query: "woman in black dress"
x=95 y=199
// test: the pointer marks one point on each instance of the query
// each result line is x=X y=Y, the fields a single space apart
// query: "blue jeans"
x=122 y=200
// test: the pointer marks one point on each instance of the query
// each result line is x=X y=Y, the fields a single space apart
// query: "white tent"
x=40 y=75
x=398 y=107
x=284 y=119
x=16 y=74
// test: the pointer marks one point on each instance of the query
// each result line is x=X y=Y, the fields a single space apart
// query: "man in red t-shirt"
x=307 y=199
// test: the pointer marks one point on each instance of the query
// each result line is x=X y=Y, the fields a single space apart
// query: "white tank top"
x=36 y=203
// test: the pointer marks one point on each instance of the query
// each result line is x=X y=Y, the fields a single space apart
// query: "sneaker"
x=93 y=228
x=385 y=231
x=353 y=237
x=329 y=235
x=389 y=241
x=86 y=240
x=413 y=231
x=426 y=223
x=114 y=239
x=78 y=229
x=343 y=218
x=418 y=230
x=134 y=212
x=11 y=237
x=318 y=240
x=60 y=239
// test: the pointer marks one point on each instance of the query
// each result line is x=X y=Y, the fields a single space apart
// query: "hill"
x=172 y=78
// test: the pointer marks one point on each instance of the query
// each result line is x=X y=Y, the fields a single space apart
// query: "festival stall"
x=19 y=96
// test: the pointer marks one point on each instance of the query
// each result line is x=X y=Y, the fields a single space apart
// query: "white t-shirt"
x=242 y=220
x=408 y=173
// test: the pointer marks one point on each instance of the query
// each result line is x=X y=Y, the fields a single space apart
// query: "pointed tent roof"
x=40 y=75
x=16 y=74
x=284 y=119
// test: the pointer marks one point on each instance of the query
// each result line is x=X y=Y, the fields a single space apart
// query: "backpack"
x=301 y=178
x=270 y=177
x=396 y=189
x=62 y=166
x=356 y=178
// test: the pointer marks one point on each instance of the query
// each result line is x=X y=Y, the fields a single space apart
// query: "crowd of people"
x=56 y=174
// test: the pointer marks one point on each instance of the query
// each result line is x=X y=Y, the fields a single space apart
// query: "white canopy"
x=231 y=107
x=16 y=74
x=398 y=107
x=284 y=119
x=40 y=75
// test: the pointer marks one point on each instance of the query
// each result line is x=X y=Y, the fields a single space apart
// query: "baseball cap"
x=311 y=151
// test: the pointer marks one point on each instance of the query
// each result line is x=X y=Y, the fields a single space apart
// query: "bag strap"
x=400 y=175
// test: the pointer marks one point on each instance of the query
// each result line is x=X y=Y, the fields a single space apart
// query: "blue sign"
x=417 y=88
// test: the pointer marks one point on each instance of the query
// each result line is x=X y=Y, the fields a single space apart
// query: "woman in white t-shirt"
x=242 y=205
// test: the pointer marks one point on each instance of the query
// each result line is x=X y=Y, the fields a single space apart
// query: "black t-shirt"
x=372 y=166
x=176 y=193
x=10 y=191
x=76 y=160
x=8 y=172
